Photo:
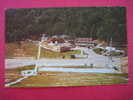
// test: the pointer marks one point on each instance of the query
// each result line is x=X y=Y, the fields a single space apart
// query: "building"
x=57 y=44
x=84 y=42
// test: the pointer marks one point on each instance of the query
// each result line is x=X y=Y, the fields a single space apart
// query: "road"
x=99 y=61
x=80 y=70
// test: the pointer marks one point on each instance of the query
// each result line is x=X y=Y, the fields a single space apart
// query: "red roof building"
x=84 y=42
x=53 y=39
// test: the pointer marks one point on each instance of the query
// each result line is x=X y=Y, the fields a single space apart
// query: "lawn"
x=53 y=79
x=29 y=49
x=14 y=74
x=48 y=79
x=52 y=54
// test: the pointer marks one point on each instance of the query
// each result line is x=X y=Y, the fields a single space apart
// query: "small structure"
x=28 y=73
x=81 y=55
x=110 y=49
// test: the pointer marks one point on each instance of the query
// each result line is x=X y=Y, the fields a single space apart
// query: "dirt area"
x=124 y=66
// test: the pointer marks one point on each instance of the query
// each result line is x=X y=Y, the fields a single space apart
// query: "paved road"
x=93 y=58
x=19 y=62
x=80 y=70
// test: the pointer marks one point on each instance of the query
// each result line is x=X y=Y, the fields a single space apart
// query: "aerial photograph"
x=65 y=46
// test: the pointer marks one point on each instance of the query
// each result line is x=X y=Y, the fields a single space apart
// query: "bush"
x=98 y=50
x=113 y=53
x=73 y=56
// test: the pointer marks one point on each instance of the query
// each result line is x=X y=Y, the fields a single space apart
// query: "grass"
x=98 y=50
x=52 y=54
x=14 y=74
x=48 y=79
x=113 y=53
x=10 y=49
x=30 y=50
x=53 y=79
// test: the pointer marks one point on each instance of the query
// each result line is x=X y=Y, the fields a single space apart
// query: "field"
x=47 y=78
x=29 y=49
x=14 y=74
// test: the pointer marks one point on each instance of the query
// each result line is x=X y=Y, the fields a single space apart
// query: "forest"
x=100 y=23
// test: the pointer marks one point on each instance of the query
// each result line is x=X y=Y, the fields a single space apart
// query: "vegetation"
x=48 y=79
x=113 y=53
x=15 y=73
x=105 y=52
x=64 y=55
x=101 y=23
x=10 y=49
x=98 y=50
x=29 y=49
x=97 y=22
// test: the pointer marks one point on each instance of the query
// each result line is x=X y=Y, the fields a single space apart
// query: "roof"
x=53 y=39
x=84 y=39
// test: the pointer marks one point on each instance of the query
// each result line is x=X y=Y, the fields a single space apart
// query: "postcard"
x=65 y=46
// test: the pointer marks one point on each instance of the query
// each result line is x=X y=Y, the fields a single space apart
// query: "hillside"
x=97 y=22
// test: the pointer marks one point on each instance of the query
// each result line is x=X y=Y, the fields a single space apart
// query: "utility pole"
x=110 y=56
x=39 y=52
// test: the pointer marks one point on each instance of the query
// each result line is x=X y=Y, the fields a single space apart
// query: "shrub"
x=113 y=53
x=73 y=56
x=98 y=50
